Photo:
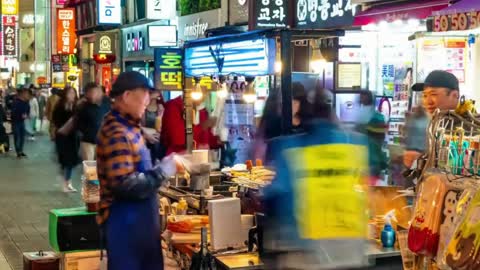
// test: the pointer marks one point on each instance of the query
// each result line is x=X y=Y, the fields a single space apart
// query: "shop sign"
x=28 y=19
x=160 y=9
x=61 y=2
x=457 y=22
x=249 y=58
x=135 y=41
x=195 y=29
x=9 y=7
x=56 y=59
x=105 y=43
x=321 y=14
x=238 y=12
x=109 y=12
x=66 y=36
x=9 y=29
x=168 y=68
x=271 y=13
x=57 y=67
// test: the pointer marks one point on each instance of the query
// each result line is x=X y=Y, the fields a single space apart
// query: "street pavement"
x=29 y=188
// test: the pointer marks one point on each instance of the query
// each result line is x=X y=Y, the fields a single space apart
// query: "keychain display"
x=446 y=223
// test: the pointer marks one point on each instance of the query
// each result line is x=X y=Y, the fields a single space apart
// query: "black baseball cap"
x=440 y=78
x=130 y=80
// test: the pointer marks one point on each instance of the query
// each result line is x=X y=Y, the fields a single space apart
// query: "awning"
x=460 y=7
x=413 y=9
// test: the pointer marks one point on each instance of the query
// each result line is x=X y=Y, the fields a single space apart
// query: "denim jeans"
x=18 y=129
x=67 y=172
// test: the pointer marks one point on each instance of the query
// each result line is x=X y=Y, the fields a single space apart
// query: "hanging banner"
x=9 y=26
x=168 y=69
x=9 y=7
x=271 y=13
x=324 y=14
x=66 y=36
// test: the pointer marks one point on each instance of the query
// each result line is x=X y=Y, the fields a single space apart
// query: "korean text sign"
x=271 y=13
x=9 y=7
x=66 y=36
x=168 y=69
x=321 y=14
x=9 y=35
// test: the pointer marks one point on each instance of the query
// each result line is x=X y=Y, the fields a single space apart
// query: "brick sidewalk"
x=28 y=190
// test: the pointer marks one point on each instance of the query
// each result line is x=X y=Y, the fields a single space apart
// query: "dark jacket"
x=20 y=110
x=67 y=146
x=89 y=119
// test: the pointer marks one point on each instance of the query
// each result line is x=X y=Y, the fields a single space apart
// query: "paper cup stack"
x=90 y=183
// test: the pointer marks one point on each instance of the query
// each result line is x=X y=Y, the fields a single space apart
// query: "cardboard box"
x=85 y=260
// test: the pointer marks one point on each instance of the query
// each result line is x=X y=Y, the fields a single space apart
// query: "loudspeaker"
x=73 y=229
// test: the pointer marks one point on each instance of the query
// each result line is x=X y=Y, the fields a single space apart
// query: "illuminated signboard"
x=248 y=58
x=9 y=7
x=160 y=9
x=10 y=35
x=324 y=14
x=109 y=12
x=168 y=69
x=168 y=38
x=66 y=35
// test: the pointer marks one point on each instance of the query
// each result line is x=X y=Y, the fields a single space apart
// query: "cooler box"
x=41 y=261
x=73 y=229
x=87 y=260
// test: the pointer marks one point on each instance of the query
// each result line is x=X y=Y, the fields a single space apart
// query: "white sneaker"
x=68 y=188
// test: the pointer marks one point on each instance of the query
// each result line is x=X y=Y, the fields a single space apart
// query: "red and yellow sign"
x=66 y=36
x=9 y=7
x=456 y=22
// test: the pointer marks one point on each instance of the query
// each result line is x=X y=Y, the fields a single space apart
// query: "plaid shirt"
x=123 y=163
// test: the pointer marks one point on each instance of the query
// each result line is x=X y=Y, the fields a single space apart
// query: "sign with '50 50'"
x=456 y=22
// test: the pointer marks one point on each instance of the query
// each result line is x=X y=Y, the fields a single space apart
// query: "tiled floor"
x=28 y=190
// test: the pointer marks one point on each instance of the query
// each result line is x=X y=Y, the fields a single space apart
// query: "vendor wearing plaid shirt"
x=128 y=206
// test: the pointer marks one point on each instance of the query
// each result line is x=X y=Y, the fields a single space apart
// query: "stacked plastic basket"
x=90 y=185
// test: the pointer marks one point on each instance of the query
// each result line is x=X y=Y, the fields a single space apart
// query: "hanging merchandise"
x=446 y=223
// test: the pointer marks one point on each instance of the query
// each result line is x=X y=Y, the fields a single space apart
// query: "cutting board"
x=225 y=223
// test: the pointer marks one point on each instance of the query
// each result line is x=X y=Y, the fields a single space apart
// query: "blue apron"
x=133 y=231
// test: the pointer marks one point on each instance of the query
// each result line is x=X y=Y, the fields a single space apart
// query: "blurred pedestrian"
x=373 y=125
x=128 y=212
x=42 y=103
x=31 y=121
x=152 y=122
x=89 y=118
x=66 y=139
x=51 y=103
x=19 y=114
x=314 y=208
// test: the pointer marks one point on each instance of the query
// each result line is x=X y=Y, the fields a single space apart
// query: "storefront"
x=458 y=27
x=137 y=55
x=192 y=27
x=105 y=54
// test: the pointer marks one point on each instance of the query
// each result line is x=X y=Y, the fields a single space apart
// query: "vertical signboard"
x=168 y=69
x=109 y=12
x=271 y=13
x=321 y=14
x=9 y=29
x=66 y=36
x=9 y=7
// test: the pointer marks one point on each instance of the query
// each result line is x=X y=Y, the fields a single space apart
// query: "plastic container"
x=90 y=170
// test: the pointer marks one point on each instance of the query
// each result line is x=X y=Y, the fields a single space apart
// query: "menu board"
x=349 y=75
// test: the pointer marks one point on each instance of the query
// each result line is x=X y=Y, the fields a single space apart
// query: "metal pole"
x=286 y=80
